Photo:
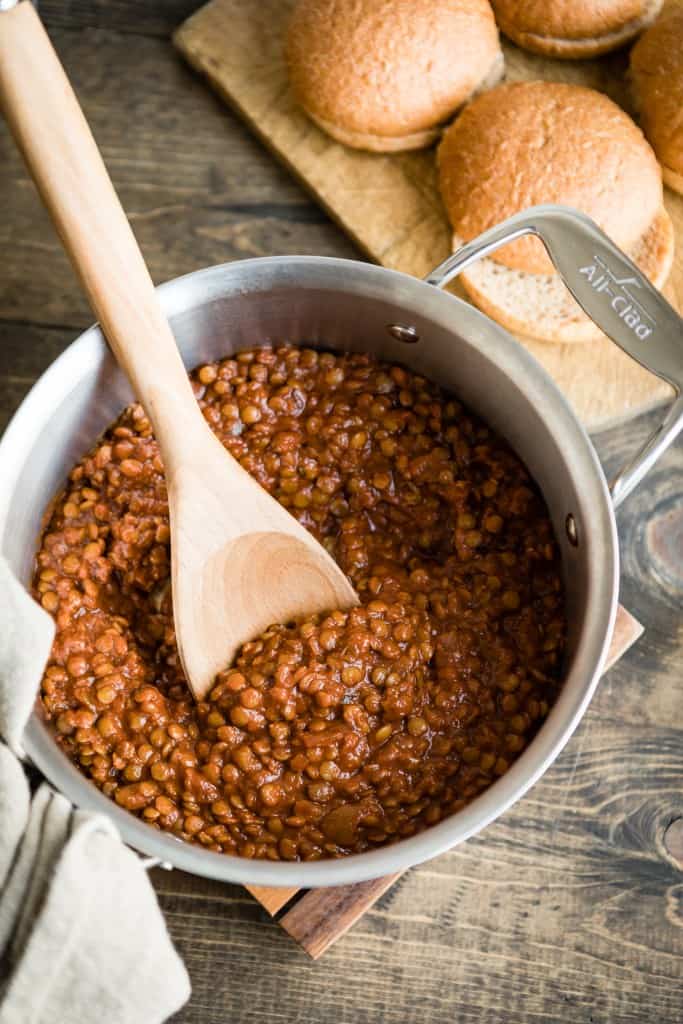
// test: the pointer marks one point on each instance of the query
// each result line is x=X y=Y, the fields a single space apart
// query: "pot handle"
x=152 y=862
x=616 y=296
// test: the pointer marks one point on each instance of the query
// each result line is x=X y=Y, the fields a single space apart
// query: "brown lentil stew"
x=344 y=731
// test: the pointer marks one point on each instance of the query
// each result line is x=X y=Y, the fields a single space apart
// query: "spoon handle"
x=62 y=156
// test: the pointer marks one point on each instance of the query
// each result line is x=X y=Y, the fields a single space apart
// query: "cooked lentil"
x=347 y=730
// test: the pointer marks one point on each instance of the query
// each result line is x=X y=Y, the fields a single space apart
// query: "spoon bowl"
x=239 y=563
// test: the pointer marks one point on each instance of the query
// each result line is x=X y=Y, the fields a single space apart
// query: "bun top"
x=569 y=19
x=657 y=72
x=546 y=142
x=389 y=67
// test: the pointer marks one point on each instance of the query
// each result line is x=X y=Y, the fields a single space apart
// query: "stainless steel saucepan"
x=349 y=305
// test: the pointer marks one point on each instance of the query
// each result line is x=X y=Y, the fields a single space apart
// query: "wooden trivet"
x=391 y=208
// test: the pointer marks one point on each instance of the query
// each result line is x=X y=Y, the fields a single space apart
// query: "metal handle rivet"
x=408 y=335
x=571 y=531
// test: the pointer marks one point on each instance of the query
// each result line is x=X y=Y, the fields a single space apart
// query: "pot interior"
x=333 y=304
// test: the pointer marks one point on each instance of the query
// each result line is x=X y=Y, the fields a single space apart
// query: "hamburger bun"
x=657 y=79
x=540 y=306
x=574 y=29
x=537 y=142
x=384 y=75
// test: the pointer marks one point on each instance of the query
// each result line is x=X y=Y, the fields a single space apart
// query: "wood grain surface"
x=272 y=900
x=322 y=916
x=570 y=907
x=390 y=204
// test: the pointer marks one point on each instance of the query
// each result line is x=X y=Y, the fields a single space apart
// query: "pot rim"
x=84 y=355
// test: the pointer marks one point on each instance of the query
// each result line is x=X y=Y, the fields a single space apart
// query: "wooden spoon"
x=239 y=560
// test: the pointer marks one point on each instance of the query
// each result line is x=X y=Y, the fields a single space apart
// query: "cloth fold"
x=15 y=799
x=26 y=635
x=81 y=932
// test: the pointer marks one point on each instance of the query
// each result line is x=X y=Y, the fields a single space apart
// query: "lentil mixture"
x=348 y=730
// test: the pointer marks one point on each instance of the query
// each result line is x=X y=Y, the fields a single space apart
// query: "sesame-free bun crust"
x=398 y=143
x=374 y=70
x=540 y=306
x=527 y=143
x=574 y=29
x=657 y=80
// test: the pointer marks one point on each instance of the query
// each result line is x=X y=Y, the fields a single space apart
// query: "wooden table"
x=570 y=907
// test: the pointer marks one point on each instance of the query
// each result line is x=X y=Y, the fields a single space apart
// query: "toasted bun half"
x=540 y=306
x=385 y=74
x=546 y=142
x=574 y=29
x=657 y=80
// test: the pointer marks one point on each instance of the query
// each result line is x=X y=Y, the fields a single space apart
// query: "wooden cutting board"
x=390 y=205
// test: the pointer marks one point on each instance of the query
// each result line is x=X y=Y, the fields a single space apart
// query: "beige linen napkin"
x=14 y=807
x=26 y=635
x=81 y=933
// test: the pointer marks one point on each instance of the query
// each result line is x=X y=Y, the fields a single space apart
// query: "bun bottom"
x=402 y=143
x=377 y=143
x=674 y=179
x=576 y=49
x=540 y=306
